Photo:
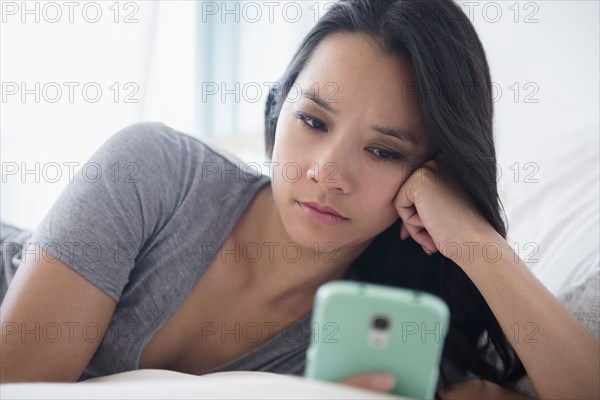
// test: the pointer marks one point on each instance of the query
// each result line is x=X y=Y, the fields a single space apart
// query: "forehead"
x=352 y=67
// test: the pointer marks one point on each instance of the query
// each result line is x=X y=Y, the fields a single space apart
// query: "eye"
x=312 y=123
x=384 y=154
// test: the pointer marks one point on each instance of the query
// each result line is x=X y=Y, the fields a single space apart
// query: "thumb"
x=377 y=381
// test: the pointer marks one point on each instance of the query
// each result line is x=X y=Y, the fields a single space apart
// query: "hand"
x=436 y=211
x=376 y=381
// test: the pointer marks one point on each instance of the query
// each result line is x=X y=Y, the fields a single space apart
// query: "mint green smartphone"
x=362 y=327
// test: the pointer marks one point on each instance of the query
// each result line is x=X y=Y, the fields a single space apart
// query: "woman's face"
x=348 y=136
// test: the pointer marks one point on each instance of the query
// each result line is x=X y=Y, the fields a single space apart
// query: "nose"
x=333 y=170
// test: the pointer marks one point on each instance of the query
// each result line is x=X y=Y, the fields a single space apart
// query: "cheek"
x=291 y=152
x=378 y=193
x=287 y=141
x=289 y=164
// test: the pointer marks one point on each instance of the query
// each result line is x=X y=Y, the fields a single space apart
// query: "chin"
x=327 y=238
x=311 y=236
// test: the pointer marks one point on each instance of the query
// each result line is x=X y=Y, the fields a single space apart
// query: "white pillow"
x=550 y=190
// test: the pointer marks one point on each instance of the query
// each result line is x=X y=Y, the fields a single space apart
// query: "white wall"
x=558 y=55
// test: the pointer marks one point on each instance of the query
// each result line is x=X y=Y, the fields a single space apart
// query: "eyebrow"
x=402 y=134
x=311 y=95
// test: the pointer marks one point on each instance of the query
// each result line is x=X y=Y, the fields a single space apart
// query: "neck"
x=286 y=272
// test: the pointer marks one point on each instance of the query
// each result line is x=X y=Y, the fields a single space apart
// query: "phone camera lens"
x=381 y=323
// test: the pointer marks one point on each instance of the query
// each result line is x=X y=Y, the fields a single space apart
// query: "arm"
x=43 y=315
x=112 y=214
x=479 y=389
x=562 y=358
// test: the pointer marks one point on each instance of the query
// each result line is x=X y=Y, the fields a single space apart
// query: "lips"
x=322 y=214
x=323 y=209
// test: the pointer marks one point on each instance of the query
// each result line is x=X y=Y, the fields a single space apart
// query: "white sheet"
x=162 y=384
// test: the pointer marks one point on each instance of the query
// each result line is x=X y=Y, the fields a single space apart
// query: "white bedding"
x=550 y=188
x=162 y=384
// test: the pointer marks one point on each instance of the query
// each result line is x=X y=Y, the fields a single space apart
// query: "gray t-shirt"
x=142 y=220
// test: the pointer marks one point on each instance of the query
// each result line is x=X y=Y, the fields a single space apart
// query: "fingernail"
x=382 y=382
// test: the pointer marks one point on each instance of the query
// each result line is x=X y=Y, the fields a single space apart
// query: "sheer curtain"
x=73 y=73
x=240 y=48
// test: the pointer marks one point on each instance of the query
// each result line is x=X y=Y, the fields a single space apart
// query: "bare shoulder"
x=479 y=389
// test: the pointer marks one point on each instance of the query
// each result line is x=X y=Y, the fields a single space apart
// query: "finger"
x=409 y=214
x=403 y=232
x=405 y=197
x=415 y=221
x=407 y=194
x=422 y=237
x=377 y=381
x=414 y=218
x=405 y=206
x=413 y=226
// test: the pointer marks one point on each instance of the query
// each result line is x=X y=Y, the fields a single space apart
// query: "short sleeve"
x=115 y=202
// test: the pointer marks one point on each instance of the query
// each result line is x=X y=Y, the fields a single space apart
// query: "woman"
x=383 y=170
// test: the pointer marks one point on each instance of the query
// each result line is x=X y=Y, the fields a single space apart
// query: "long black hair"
x=454 y=88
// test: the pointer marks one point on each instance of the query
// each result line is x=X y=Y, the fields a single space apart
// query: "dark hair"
x=454 y=88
